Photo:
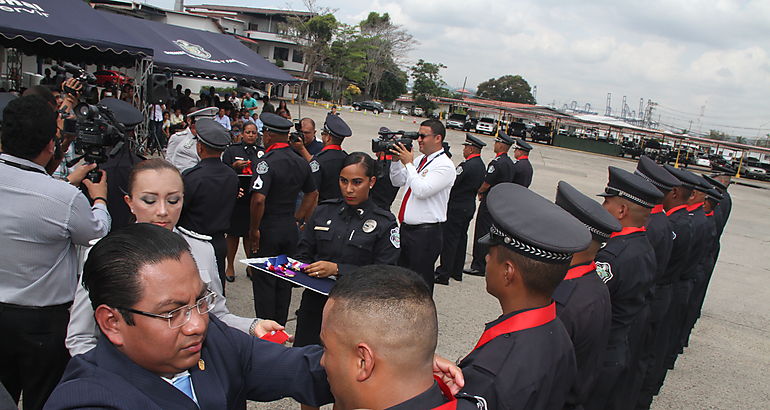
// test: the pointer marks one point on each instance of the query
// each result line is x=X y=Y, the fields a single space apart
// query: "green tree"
x=346 y=59
x=718 y=135
x=511 y=88
x=392 y=84
x=386 y=45
x=427 y=83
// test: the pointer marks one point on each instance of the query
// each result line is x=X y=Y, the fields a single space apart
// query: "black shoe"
x=458 y=278
x=230 y=279
x=439 y=281
x=473 y=272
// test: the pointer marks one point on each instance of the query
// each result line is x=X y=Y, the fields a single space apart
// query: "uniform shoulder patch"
x=491 y=169
x=314 y=166
x=604 y=270
x=395 y=238
x=262 y=168
x=459 y=169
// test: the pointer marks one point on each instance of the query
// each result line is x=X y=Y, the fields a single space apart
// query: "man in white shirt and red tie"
x=429 y=179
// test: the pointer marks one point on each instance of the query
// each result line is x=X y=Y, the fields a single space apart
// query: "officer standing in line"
x=582 y=299
x=462 y=205
x=343 y=234
x=499 y=170
x=713 y=197
x=660 y=233
x=242 y=157
x=279 y=177
x=706 y=236
x=627 y=265
x=181 y=150
x=522 y=168
x=722 y=209
x=211 y=189
x=525 y=359
x=326 y=165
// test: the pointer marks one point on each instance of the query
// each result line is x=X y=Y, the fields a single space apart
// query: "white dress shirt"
x=428 y=200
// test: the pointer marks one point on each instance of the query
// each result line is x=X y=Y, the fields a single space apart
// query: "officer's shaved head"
x=388 y=307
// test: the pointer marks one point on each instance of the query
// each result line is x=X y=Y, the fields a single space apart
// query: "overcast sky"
x=689 y=56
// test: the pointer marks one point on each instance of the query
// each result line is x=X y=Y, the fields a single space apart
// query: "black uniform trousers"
x=310 y=314
x=219 y=243
x=420 y=247
x=455 y=242
x=32 y=351
x=272 y=296
x=682 y=292
x=657 y=342
x=483 y=223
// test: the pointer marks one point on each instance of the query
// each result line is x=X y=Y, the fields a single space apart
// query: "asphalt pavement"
x=728 y=360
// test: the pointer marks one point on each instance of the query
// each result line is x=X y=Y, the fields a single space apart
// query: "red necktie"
x=409 y=192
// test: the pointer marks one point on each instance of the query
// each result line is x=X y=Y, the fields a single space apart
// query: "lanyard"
x=580 y=270
x=428 y=163
x=23 y=167
x=452 y=403
x=335 y=147
x=628 y=230
x=520 y=321
x=277 y=145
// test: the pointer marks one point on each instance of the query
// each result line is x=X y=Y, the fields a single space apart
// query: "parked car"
x=403 y=111
x=517 y=129
x=456 y=121
x=703 y=161
x=630 y=148
x=108 y=78
x=486 y=126
x=373 y=106
x=541 y=133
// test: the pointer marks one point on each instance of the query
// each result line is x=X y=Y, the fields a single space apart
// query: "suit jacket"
x=237 y=367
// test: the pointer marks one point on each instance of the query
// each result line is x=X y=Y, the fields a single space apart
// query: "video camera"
x=86 y=79
x=98 y=136
x=296 y=135
x=388 y=139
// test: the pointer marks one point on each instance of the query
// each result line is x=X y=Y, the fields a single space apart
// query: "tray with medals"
x=290 y=270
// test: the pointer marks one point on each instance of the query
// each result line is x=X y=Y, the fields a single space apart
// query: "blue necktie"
x=184 y=385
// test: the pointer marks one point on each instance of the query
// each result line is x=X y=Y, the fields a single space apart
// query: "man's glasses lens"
x=179 y=317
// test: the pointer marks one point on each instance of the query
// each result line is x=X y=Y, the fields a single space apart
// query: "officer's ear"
x=110 y=322
x=365 y=357
x=372 y=182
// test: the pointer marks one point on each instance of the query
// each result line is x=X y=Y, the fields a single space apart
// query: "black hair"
x=29 y=124
x=436 y=127
x=42 y=91
x=361 y=158
x=540 y=278
x=111 y=272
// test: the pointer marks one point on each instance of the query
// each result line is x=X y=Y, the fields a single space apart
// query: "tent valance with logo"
x=194 y=52
x=66 y=29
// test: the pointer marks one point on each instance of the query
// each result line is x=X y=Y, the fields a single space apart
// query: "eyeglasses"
x=423 y=136
x=180 y=316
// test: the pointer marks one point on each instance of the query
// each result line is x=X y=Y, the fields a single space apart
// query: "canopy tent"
x=193 y=52
x=68 y=30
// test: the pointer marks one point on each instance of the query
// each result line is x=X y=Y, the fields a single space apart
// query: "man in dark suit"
x=522 y=168
x=462 y=205
x=161 y=349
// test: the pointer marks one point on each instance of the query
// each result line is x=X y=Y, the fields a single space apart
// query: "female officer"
x=342 y=234
x=155 y=195
x=242 y=156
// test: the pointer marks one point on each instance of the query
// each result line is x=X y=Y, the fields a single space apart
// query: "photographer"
x=429 y=179
x=41 y=221
x=308 y=146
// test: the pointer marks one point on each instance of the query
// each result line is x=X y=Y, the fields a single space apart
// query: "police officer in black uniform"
x=460 y=209
x=242 y=157
x=210 y=190
x=326 y=164
x=627 y=265
x=278 y=177
x=342 y=235
x=722 y=209
x=522 y=168
x=582 y=299
x=525 y=358
x=384 y=193
x=499 y=170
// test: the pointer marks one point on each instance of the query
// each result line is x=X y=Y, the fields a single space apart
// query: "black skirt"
x=239 y=222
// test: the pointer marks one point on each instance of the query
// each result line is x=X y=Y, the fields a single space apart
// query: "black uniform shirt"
x=280 y=175
x=722 y=212
x=680 y=251
x=470 y=176
x=210 y=191
x=434 y=398
x=499 y=170
x=350 y=236
x=661 y=237
x=627 y=265
x=326 y=167
x=528 y=369
x=383 y=192
x=583 y=305
x=240 y=152
x=702 y=236
x=522 y=172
